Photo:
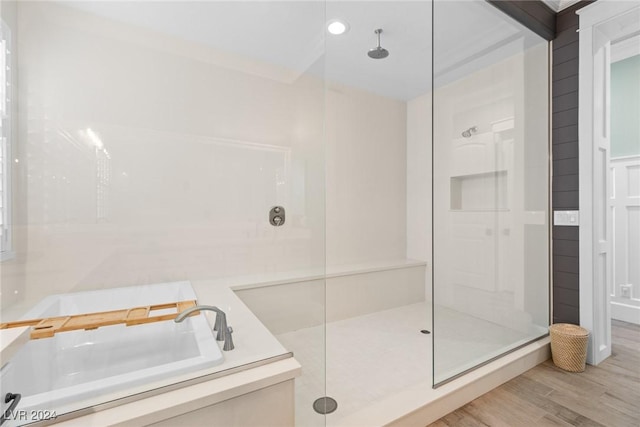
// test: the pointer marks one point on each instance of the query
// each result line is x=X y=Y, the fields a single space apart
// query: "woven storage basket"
x=569 y=346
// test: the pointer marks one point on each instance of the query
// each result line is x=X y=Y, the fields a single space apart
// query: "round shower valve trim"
x=277 y=216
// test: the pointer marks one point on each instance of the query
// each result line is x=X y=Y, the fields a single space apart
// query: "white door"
x=625 y=207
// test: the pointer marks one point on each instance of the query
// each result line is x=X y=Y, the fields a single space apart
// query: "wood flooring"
x=603 y=395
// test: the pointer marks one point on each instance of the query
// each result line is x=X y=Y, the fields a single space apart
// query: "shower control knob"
x=277 y=216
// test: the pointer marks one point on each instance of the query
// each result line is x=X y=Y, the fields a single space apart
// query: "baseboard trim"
x=625 y=312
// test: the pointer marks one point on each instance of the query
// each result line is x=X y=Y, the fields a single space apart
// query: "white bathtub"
x=80 y=365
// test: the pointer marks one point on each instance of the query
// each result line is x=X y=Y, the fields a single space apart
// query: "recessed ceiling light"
x=337 y=27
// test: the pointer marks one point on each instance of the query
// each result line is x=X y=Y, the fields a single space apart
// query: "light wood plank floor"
x=604 y=395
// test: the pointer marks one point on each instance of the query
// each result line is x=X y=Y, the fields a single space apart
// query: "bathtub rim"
x=286 y=371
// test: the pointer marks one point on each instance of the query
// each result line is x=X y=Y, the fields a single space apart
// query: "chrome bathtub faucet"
x=224 y=332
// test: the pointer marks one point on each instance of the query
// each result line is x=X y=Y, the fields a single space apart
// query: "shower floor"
x=371 y=357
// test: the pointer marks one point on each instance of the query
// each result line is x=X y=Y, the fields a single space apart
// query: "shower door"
x=490 y=184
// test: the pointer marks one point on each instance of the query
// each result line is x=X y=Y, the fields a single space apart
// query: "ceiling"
x=468 y=35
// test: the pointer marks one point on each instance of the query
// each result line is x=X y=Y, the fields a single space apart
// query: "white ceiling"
x=469 y=34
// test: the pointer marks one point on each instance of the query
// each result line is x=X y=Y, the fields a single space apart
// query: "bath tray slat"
x=48 y=327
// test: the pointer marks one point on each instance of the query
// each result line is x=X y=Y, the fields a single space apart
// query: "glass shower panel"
x=378 y=203
x=491 y=186
x=155 y=142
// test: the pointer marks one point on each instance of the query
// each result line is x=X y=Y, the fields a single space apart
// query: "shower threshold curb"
x=421 y=404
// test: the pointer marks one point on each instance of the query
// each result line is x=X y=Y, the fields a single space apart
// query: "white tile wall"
x=145 y=158
x=419 y=183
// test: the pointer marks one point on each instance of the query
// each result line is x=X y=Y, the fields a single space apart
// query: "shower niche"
x=479 y=192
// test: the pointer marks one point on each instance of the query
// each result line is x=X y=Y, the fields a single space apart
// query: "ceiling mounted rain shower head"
x=378 y=52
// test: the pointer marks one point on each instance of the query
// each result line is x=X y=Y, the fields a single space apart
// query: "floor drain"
x=424 y=331
x=325 y=405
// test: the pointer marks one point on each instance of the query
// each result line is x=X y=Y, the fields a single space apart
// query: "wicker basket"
x=569 y=346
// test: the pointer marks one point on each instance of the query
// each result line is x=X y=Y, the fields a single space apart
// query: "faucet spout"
x=221 y=319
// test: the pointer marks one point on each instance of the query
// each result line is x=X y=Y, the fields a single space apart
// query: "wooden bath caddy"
x=48 y=327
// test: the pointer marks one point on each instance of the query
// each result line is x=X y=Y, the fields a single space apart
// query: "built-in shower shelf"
x=49 y=326
x=484 y=192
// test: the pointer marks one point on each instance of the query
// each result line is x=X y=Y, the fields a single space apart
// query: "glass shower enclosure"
x=490 y=186
x=382 y=219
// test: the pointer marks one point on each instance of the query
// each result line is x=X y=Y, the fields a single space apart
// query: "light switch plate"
x=571 y=218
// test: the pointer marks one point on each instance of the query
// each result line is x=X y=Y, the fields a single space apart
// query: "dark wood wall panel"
x=563 y=151
x=565 y=200
x=565 y=69
x=569 y=182
x=566 y=167
x=567 y=117
x=564 y=86
x=564 y=143
x=532 y=13
x=565 y=247
x=565 y=101
x=565 y=233
x=565 y=134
